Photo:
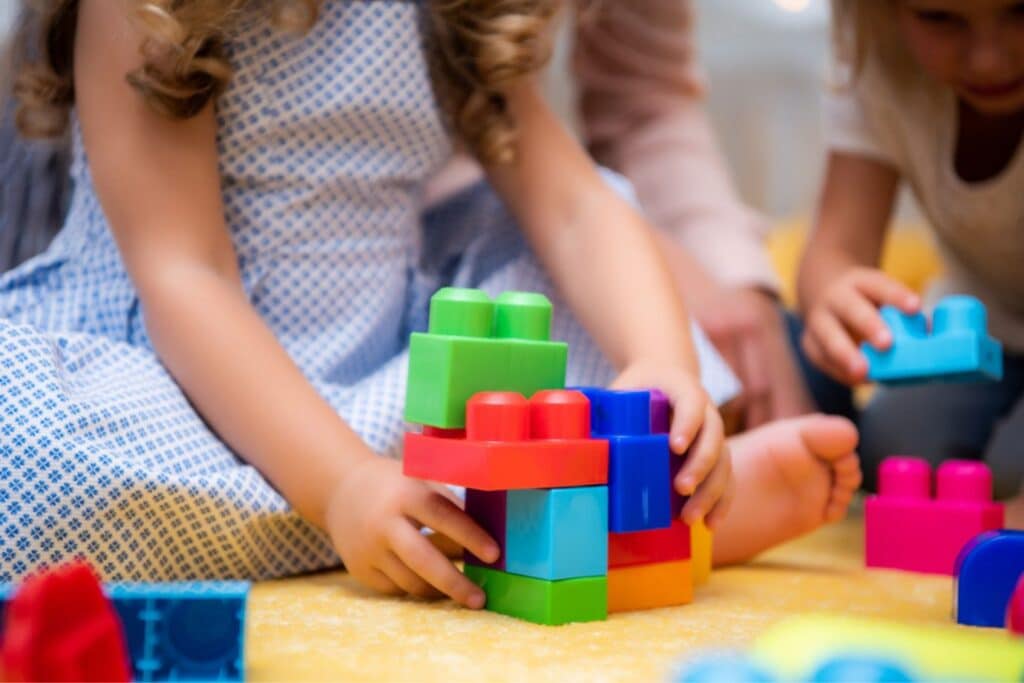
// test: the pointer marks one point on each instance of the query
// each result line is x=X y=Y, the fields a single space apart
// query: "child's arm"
x=604 y=260
x=159 y=185
x=840 y=286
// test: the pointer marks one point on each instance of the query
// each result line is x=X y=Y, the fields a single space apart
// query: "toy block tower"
x=957 y=349
x=649 y=547
x=907 y=528
x=988 y=574
x=535 y=479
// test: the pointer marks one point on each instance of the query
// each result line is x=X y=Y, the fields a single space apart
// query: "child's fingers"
x=421 y=557
x=378 y=581
x=688 y=416
x=883 y=289
x=721 y=508
x=406 y=579
x=840 y=353
x=444 y=517
x=862 y=318
x=710 y=491
x=705 y=452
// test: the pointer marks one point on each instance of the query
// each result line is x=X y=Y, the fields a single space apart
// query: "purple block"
x=661 y=413
x=676 y=501
x=490 y=510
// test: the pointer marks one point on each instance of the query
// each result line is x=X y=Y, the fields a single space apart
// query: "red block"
x=61 y=627
x=649 y=547
x=906 y=528
x=514 y=444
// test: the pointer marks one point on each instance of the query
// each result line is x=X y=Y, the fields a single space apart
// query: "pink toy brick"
x=906 y=528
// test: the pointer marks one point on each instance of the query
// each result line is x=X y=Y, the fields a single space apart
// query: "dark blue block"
x=180 y=631
x=639 y=483
x=618 y=412
x=986 y=574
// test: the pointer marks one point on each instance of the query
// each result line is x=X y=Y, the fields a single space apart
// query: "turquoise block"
x=957 y=349
x=557 y=533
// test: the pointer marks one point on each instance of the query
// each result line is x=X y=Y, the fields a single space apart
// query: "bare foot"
x=792 y=476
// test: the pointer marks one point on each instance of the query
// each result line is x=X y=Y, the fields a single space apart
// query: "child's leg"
x=935 y=421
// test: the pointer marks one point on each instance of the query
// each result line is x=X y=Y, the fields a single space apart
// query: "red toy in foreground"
x=61 y=627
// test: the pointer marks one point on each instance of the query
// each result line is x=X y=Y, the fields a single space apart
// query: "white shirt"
x=979 y=226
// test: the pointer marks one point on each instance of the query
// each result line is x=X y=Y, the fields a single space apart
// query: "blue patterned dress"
x=325 y=141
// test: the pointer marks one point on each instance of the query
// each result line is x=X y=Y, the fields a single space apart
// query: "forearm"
x=245 y=385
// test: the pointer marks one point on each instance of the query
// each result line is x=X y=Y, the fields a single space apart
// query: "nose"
x=989 y=54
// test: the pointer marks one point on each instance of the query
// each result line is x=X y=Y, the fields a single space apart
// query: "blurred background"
x=765 y=60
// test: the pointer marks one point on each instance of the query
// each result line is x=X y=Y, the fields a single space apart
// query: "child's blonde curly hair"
x=480 y=46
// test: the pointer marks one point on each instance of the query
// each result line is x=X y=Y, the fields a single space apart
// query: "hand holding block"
x=905 y=528
x=958 y=348
x=514 y=444
x=474 y=345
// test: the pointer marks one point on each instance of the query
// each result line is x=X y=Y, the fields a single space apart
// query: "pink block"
x=906 y=528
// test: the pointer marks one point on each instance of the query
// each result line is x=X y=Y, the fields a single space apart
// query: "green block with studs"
x=478 y=344
x=540 y=601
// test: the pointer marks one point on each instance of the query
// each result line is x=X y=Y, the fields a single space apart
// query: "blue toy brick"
x=639 y=483
x=958 y=348
x=724 y=667
x=557 y=534
x=861 y=668
x=618 y=412
x=640 y=467
x=987 y=572
x=180 y=631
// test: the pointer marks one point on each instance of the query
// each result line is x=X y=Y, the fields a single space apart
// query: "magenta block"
x=905 y=527
x=489 y=509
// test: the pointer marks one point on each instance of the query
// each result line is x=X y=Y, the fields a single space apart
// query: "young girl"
x=934 y=96
x=241 y=268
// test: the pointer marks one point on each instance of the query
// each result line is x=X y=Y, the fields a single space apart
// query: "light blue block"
x=557 y=533
x=958 y=348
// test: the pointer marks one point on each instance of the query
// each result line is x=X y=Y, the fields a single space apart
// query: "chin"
x=1007 y=105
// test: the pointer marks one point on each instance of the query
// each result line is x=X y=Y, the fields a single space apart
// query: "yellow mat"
x=325 y=628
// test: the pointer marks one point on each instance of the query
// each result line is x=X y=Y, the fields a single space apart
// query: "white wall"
x=7 y=10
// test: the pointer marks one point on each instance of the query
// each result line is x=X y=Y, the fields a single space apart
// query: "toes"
x=828 y=437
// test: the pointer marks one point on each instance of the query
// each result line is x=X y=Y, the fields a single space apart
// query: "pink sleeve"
x=640 y=100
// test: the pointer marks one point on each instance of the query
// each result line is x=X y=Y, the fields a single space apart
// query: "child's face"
x=976 y=47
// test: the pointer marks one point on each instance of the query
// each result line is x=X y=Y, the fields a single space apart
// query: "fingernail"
x=476 y=600
x=686 y=486
x=882 y=338
x=492 y=553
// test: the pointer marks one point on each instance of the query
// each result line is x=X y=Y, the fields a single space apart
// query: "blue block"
x=639 y=463
x=618 y=412
x=987 y=571
x=724 y=667
x=861 y=668
x=557 y=533
x=180 y=631
x=639 y=483
x=958 y=348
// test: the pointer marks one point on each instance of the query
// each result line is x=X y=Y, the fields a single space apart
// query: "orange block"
x=647 y=586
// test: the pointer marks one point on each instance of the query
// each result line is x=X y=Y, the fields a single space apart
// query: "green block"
x=540 y=601
x=477 y=345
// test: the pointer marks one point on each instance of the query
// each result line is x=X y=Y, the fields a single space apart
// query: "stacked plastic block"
x=170 y=631
x=988 y=572
x=906 y=527
x=535 y=479
x=648 y=545
x=956 y=349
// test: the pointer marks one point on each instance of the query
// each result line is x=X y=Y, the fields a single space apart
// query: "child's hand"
x=374 y=519
x=697 y=432
x=847 y=314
